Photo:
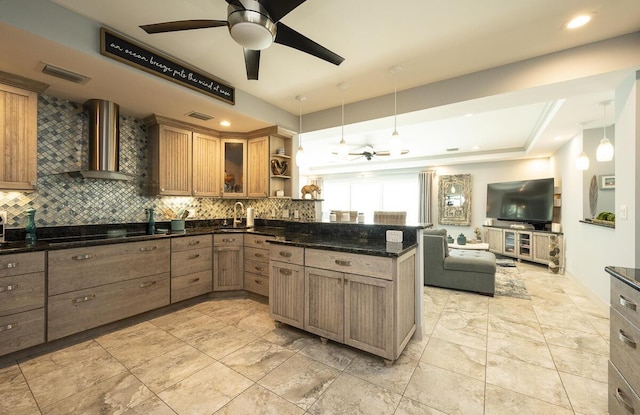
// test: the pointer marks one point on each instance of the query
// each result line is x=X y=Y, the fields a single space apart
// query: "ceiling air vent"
x=453 y=149
x=64 y=74
x=200 y=116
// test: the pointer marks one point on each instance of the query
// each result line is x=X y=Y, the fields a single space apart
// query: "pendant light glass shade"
x=395 y=143
x=582 y=163
x=604 y=152
x=300 y=156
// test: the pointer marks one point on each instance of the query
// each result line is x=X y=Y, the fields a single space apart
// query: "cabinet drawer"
x=188 y=262
x=625 y=300
x=371 y=266
x=21 y=293
x=622 y=399
x=80 y=268
x=228 y=239
x=16 y=264
x=256 y=267
x=261 y=255
x=285 y=253
x=257 y=241
x=255 y=283
x=76 y=311
x=192 y=285
x=191 y=242
x=21 y=330
x=625 y=348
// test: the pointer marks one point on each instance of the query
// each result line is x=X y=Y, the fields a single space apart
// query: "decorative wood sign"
x=132 y=53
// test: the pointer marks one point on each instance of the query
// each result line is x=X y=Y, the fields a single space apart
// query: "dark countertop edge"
x=602 y=225
x=349 y=249
x=614 y=272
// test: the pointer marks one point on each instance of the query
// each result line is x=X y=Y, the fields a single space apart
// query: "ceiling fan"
x=368 y=152
x=255 y=25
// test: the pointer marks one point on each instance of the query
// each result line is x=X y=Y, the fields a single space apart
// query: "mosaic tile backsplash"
x=62 y=200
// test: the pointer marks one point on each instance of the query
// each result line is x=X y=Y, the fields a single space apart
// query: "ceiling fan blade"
x=289 y=37
x=182 y=25
x=252 y=62
x=237 y=4
x=280 y=8
x=388 y=153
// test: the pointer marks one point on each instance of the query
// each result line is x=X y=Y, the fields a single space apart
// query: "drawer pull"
x=8 y=265
x=8 y=288
x=229 y=240
x=259 y=282
x=147 y=284
x=192 y=243
x=257 y=268
x=285 y=271
x=8 y=327
x=258 y=255
x=622 y=400
x=194 y=256
x=83 y=299
x=259 y=241
x=627 y=303
x=191 y=281
x=343 y=263
x=83 y=257
x=285 y=254
x=148 y=248
x=626 y=340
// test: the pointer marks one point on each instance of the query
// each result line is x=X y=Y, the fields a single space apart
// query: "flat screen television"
x=528 y=201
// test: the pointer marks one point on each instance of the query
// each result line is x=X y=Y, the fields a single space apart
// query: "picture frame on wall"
x=607 y=181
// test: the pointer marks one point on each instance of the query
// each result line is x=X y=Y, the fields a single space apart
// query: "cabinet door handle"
x=148 y=248
x=286 y=254
x=258 y=255
x=83 y=257
x=8 y=288
x=259 y=282
x=343 y=262
x=194 y=256
x=285 y=271
x=257 y=268
x=8 y=327
x=147 y=284
x=622 y=400
x=8 y=265
x=259 y=241
x=192 y=243
x=229 y=240
x=625 y=302
x=626 y=339
x=191 y=281
x=83 y=299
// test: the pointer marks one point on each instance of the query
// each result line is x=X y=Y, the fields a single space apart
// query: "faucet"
x=237 y=220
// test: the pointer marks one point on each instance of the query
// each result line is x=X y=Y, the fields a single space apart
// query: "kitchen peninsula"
x=92 y=279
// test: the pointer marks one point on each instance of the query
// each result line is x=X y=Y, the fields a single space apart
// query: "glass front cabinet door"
x=234 y=161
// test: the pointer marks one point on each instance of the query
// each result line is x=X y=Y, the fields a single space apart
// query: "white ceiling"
x=432 y=41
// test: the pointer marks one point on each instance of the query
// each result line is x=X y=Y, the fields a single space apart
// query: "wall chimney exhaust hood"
x=104 y=142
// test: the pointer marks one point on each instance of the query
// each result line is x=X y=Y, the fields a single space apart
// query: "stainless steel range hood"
x=104 y=142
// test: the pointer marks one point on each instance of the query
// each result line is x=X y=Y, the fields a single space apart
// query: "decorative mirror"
x=454 y=200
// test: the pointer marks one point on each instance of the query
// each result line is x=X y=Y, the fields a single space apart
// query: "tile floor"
x=480 y=355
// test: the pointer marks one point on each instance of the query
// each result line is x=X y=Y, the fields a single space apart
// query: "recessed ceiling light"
x=475 y=147
x=225 y=123
x=469 y=114
x=557 y=138
x=579 y=21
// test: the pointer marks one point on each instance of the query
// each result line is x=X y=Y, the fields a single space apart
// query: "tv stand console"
x=542 y=247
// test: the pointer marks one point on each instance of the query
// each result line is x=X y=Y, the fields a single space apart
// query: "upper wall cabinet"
x=183 y=161
x=234 y=163
x=269 y=165
x=18 y=138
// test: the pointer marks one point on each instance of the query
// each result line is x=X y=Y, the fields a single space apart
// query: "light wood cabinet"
x=92 y=286
x=494 y=239
x=234 y=165
x=22 y=299
x=269 y=171
x=286 y=284
x=531 y=246
x=228 y=262
x=206 y=174
x=256 y=264
x=18 y=138
x=258 y=167
x=191 y=267
x=324 y=303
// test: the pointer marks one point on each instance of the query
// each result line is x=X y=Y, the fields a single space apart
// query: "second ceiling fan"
x=255 y=25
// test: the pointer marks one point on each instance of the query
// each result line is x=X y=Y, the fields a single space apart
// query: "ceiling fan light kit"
x=251 y=26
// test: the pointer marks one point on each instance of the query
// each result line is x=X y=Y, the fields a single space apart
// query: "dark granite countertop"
x=630 y=276
x=374 y=247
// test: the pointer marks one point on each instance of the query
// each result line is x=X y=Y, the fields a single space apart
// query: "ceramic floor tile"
x=564 y=319
x=205 y=391
x=126 y=335
x=456 y=358
x=258 y=323
x=290 y=338
x=463 y=335
x=527 y=379
x=587 y=396
x=198 y=329
x=257 y=358
x=58 y=359
x=224 y=342
x=16 y=396
x=350 y=395
x=153 y=405
x=504 y=345
x=260 y=401
x=411 y=407
x=469 y=302
x=442 y=390
x=500 y=401
x=577 y=340
x=415 y=347
x=177 y=319
x=331 y=354
x=300 y=380
x=169 y=368
x=579 y=363
x=513 y=308
x=526 y=330
x=373 y=369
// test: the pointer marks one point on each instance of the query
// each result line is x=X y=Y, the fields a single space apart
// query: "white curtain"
x=425 y=182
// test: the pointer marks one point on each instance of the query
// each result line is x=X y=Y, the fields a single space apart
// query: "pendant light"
x=582 y=162
x=343 y=151
x=604 y=152
x=395 y=143
x=300 y=156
